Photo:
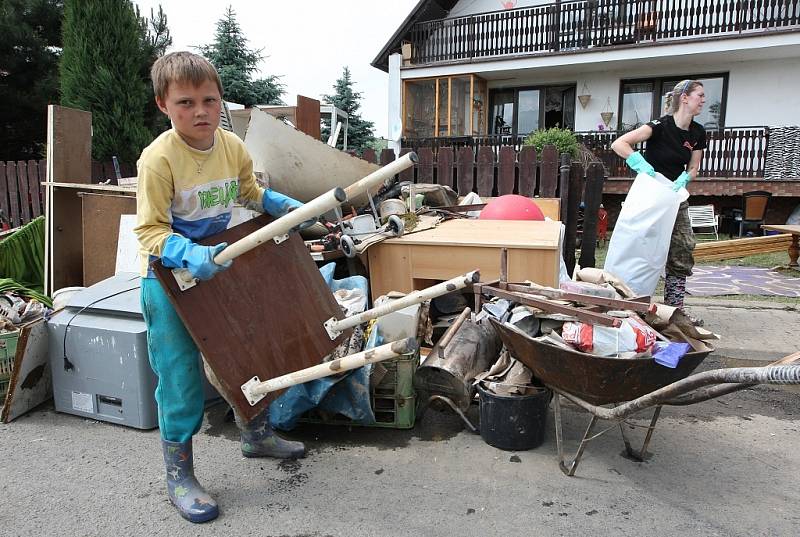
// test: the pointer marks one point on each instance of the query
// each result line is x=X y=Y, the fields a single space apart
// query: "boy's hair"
x=182 y=67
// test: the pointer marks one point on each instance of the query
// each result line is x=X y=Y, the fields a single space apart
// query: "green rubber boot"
x=186 y=494
x=259 y=440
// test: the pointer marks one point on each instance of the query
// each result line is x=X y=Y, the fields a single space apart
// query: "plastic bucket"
x=513 y=422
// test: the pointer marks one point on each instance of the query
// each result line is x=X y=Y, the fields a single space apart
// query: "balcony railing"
x=573 y=25
x=732 y=152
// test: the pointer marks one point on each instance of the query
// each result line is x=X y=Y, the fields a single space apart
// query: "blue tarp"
x=346 y=394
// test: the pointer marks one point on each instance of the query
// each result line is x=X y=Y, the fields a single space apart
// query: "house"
x=489 y=72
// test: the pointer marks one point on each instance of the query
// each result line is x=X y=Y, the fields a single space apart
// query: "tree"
x=236 y=64
x=101 y=71
x=360 y=132
x=155 y=39
x=29 y=53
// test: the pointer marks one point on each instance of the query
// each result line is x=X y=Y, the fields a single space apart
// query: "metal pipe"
x=336 y=327
x=782 y=374
x=377 y=177
x=281 y=226
x=369 y=356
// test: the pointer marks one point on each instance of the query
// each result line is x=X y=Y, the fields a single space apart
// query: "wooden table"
x=419 y=260
x=794 y=251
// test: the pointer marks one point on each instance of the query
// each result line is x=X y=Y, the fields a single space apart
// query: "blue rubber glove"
x=277 y=205
x=180 y=252
x=637 y=163
x=681 y=182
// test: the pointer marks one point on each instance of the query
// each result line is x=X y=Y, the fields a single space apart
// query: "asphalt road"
x=724 y=467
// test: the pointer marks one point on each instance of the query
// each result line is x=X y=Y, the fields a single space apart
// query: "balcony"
x=587 y=24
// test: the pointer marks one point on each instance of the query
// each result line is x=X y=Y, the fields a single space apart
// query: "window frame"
x=541 y=88
x=658 y=82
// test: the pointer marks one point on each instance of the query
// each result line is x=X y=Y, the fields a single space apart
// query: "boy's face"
x=194 y=111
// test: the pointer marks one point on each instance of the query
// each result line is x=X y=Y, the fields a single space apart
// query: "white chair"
x=703 y=217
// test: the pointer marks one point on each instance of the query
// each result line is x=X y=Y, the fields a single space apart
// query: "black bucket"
x=513 y=422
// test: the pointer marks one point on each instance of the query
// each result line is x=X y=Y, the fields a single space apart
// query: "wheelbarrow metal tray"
x=596 y=379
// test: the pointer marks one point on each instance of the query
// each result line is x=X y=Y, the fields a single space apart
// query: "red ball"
x=511 y=207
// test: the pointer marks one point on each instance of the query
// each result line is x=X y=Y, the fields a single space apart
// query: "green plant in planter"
x=564 y=140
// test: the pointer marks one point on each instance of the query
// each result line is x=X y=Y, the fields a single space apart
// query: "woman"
x=675 y=144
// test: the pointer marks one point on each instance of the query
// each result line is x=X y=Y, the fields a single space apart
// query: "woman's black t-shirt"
x=670 y=148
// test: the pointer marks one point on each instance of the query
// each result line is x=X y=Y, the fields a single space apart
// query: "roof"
x=425 y=10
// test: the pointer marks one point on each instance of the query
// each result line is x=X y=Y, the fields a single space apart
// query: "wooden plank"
x=387 y=156
x=100 y=216
x=571 y=223
x=307 y=116
x=527 y=172
x=262 y=317
x=408 y=173
x=485 y=171
x=72 y=145
x=465 y=168
x=67 y=238
x=4 y=205
x=13 y=194
x=487 y=233
x=444 y=167
x=35 y=188
x=505 y=173
x=593 y=197
x=548 y=180
x=425 y=166
x=24 y=197
x=369 y=155
x=709 y=251
x=30 y=383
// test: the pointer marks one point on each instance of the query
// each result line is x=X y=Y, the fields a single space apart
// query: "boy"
x=188 y=180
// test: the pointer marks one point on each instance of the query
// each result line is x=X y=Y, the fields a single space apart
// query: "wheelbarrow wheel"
x=348 y=246
x=396 y=225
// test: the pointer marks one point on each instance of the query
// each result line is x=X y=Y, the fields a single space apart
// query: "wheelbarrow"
x=630 y=385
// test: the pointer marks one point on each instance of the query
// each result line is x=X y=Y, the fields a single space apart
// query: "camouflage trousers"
x=680 y=259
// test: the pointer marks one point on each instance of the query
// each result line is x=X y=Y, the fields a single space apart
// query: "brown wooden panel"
x=548 y=180
x=485 y=171
x=369 y=155
x=264 y=316
x=444 y=167
x=34 y=188
x=67 y=238
x=387 y=156
x=571 y=200
x=464 y=170
x=408 y=173
x=72 y=145
x=425 y=166
x=24 y=199
x=100 y=216
x=307 y=116
x=593 y=198
x=505 y=172
x=4 y=207
x=13 y=194
x=527 y=172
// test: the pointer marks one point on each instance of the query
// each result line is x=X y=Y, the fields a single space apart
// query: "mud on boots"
x=259 y=440
x=186 y=494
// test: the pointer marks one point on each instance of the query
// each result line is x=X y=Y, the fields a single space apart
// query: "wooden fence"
x=525 y=173
x=22 y=195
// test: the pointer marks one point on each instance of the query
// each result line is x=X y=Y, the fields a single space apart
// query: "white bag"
x=639 y=245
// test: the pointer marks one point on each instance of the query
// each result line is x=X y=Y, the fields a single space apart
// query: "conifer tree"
x=360 y=132
x=29 y=51
x=236 y=64
x=101 y=72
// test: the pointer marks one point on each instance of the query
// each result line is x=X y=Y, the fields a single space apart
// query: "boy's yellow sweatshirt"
x=189 y=192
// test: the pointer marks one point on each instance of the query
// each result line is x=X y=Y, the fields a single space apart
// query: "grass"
x=769 y=260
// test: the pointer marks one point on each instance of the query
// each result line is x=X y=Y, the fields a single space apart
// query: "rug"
x=710 y=280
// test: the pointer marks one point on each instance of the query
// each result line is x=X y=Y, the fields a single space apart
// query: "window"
x=521 y=111
x=444 y=106
x=638 y=102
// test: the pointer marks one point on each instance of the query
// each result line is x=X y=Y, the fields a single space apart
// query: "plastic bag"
x=631 y=336
x=639 y=245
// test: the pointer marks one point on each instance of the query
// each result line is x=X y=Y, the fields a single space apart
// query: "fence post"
x=593 y=197
x=573 y=198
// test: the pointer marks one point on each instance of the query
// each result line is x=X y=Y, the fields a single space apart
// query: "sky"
x=306 y=43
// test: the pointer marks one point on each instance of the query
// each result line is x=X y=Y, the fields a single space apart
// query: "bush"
x=564 y=140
